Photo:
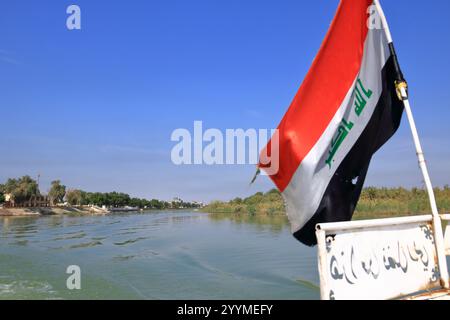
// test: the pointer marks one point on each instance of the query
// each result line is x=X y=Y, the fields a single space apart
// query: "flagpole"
x=401 y=87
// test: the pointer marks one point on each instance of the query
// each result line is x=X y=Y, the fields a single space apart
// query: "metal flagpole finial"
x=401 y=87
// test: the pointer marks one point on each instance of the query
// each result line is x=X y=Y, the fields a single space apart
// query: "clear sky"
x=96 y=107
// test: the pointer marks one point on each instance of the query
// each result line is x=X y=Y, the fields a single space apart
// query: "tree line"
x=22 y=189
x=374 y=202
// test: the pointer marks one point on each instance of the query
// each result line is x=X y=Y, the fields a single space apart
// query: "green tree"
x=156 y=204
x=74 y=197
x=116 y=199
x=21 y=189
x=57 y=192
x=10 y=185
x=135 y=202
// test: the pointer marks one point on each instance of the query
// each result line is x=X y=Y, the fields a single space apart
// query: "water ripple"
x=86 y=245
x=130 y=241
x=76 y=235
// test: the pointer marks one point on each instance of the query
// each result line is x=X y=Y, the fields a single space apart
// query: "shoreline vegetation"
x=22 y=197
x=17 y=194
x=375 y=203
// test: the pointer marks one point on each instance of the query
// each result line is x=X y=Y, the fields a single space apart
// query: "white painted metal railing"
x=380 y=259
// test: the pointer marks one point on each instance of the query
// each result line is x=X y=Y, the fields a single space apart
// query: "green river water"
x=155 y=255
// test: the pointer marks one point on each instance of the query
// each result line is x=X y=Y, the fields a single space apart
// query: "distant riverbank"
x=374 y=203
x=45 y=211
x=75 y=211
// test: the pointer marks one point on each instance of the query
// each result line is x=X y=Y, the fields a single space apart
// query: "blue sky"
x=96 y=107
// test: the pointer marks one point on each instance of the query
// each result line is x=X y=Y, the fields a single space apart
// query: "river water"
x=156 y=255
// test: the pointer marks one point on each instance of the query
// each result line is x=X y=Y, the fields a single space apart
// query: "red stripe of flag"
x=323 y=90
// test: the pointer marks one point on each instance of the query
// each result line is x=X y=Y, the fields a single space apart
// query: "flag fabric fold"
x=344 y=111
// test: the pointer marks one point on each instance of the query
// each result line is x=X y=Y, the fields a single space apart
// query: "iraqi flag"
x=344 y=111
